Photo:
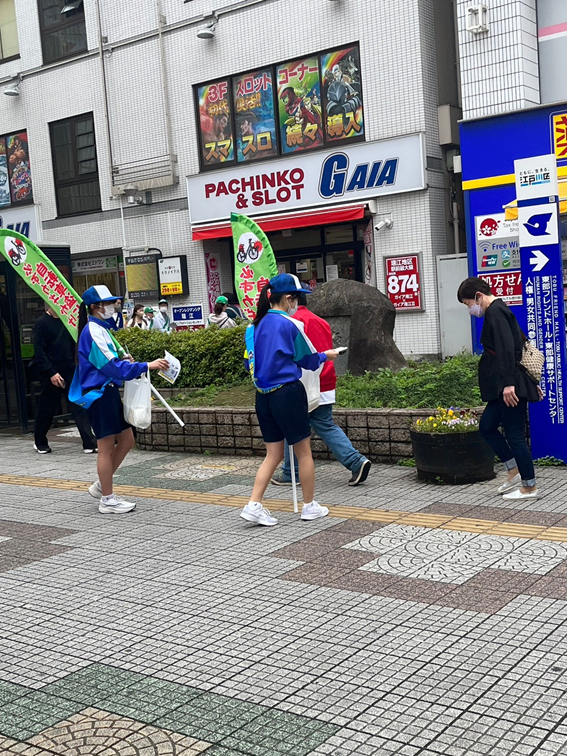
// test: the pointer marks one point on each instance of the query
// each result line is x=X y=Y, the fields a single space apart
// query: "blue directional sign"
x=189 y=314
x=543 y=313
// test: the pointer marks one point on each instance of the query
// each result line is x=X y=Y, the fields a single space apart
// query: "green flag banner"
x=43 y=278
x=254 y=261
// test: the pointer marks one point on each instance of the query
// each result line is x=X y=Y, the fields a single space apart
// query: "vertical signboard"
x=403 y=282
x=542 y=272
x=342 y=94
x=299 y=105
x=369 y=264
x=215 y=124
x=213 y=278
x=254 y=116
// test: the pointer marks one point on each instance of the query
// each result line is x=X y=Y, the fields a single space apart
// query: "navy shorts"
x=107 y=414
x=283 y=414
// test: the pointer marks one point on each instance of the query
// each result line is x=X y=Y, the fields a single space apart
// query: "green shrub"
x=453 y=383
x=208 y=357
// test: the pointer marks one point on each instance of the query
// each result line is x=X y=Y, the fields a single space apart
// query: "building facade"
x=137 y=134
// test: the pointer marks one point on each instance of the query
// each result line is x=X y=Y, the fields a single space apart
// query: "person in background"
x=100 y=370
x=219 y=316
x=118 y=317
x=277 y=350
x=504 y=386
x=149 y=317
x=161 y=321
x=55 y=361
x=137 y=320
x=318 y=331
x=233 y=310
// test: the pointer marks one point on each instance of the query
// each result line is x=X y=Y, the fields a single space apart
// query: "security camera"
x=384 y=223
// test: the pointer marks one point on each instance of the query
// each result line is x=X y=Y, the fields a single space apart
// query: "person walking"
x=161 y=321
x=219 y=316
x=99 y=375
x=137 y=320
x=277 y=351
x=318 y=331
x=504 y=386
x=55 y=361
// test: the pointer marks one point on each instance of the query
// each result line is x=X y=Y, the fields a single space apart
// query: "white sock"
x=106 y=498
x=307 y=504
x=254 y=503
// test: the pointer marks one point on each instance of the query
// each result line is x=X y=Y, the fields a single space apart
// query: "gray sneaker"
x=278 y=479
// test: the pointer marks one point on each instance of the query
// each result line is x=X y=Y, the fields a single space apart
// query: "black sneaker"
x=361 y=475
x=42 y=449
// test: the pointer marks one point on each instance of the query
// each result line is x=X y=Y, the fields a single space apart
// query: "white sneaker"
x=95 y=490
x=510 y=485
x=255 y=512
x=313 y=511
x=517 y=495
x=115 y=505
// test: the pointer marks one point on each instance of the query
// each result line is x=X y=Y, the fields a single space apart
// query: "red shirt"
x=318 y=331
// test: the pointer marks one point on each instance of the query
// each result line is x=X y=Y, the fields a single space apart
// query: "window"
x=62 y=27
x=9 y=48
x=75 y=167
x=299 y=105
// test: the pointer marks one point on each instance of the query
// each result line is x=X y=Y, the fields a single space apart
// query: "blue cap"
x=98 y=294
x=286 y=283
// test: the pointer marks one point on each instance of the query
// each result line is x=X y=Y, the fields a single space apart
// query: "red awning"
x=299 y=219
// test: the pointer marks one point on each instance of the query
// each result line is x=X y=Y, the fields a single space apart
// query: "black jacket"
x=503 y=342
x=54 y=347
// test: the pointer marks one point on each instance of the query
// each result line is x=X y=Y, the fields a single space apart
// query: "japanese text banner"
x=254 y=262
x=42 y=277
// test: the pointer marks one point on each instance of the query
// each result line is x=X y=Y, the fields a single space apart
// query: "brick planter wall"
x=380 y=434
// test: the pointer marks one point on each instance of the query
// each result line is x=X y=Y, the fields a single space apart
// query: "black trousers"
x=47 y=407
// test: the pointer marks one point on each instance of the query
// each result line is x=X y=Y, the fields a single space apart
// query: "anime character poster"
x=215 y=123
x=299 y=105
x=342 y=94
x=4 y=179
x=19 y=167
x=255 y=122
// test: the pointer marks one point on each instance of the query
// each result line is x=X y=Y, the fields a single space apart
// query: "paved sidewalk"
x=417 y=620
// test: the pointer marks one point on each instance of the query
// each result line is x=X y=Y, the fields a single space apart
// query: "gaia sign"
x=41 y=276
x=254 y=261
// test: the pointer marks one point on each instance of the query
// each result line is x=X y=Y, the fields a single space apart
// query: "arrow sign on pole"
x=539 y=260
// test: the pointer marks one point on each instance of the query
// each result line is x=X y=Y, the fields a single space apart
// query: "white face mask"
x=106 y=314
x=293 y=308
x=163 y=309
x=476 y=310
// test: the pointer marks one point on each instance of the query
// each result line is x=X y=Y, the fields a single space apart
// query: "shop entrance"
x=321 y=254
x=20 y=307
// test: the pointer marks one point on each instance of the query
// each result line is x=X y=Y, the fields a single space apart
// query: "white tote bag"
x=310 y=378
x=138 y=402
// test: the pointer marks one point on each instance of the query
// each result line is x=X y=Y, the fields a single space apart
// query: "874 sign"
x=403 y=281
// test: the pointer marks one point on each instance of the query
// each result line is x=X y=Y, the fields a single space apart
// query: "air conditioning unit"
x=477 y=18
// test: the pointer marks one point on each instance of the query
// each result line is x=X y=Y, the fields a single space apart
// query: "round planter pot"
x=454 y=458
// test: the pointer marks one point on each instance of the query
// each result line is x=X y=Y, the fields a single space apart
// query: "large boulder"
x=362 y=319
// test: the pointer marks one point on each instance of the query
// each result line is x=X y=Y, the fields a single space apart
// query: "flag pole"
x=172 y=412
x=293 y=482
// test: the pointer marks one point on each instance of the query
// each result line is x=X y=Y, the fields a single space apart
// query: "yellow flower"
x=451 y=413
x=435 y=425
x=431 y=418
